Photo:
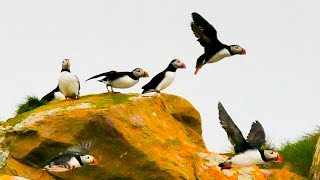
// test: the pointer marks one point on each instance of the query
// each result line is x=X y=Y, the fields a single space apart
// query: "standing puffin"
x=121 y=79
x=53 y=95
x=164 y=78
x=214 y=50
x=69 y=84
x=74 y=157
x=248 y=151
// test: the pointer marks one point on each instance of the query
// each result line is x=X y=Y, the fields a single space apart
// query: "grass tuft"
x=298 y=155
x=30 y=103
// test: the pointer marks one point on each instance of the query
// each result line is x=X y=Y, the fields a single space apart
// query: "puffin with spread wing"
x=248 y=151
x=214 y=50
x=75 y=157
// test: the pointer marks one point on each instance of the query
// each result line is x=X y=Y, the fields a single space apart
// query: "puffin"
x=163 y=79
x=69 y=84
x=121 y=80
x=247 y=151
x=53 y=95
x=214 y=50
x=75 y=157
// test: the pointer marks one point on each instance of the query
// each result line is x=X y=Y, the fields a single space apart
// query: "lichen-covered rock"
x=134 y=138
x=315 y=168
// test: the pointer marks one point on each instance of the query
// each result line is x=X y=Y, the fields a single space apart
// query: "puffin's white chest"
x=69 y=84
x=248 y=158
x=123 y=82
x=220 y=55
x=74 y=163
x=167 y=80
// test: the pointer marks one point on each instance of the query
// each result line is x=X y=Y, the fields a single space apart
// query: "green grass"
x=299 y=155
x=30 y=103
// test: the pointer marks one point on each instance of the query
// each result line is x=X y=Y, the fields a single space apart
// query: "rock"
x=8 y=177
x=134 y=137
x=315 y=168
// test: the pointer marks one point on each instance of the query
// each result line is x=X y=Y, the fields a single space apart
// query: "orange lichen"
x=134 y=137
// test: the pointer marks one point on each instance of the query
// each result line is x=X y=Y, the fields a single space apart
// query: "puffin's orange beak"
x=279 y=159
x=94 y=162
x=243 y=51
x=145 y=74
x=197 y=69
x=183 y=66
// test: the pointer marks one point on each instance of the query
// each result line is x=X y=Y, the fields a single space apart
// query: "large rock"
x=315 y=168
x=134 y=138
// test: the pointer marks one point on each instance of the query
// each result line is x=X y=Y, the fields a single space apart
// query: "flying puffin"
x=214 y=50
x=53 y=95
x=69 y=84
x=164 y=78
x=248 y=151
x=74 y=157
x=121 y=80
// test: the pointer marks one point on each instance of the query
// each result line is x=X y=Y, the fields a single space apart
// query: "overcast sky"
x=277 y=82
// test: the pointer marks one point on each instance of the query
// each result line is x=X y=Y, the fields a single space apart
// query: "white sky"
x=277 y=82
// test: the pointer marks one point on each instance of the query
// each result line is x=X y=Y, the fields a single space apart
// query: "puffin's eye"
x=271 y=153
x=88 y=157
x=237 y=47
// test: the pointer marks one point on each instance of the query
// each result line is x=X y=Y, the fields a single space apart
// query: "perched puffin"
x=53 y=95
x=74 y=157
x=214 y=50
x=248 y=151
x=69 y=84
x=121 y=80
x=164 y=78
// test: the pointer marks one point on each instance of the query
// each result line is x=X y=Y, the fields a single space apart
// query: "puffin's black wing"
x=110 y=76
x=257 y=137
x=154 y=82
x=96 y=76
x=234 y=134
x=113 y=75
x=82 y=148
x=103 y=74
x=50 y=96
x=204 y=31
x=63 y=158
x=78 y=83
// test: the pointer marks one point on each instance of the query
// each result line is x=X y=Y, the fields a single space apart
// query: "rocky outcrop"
x=134 y=138
x=315 y=168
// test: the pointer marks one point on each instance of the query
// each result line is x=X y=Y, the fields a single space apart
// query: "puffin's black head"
x=139 y=72
x=89 y=159
x=178 y=64
x=236 y=49
x=66 y=65
x=272 y=155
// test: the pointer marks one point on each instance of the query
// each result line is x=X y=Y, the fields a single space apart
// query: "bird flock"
x=248 y=151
